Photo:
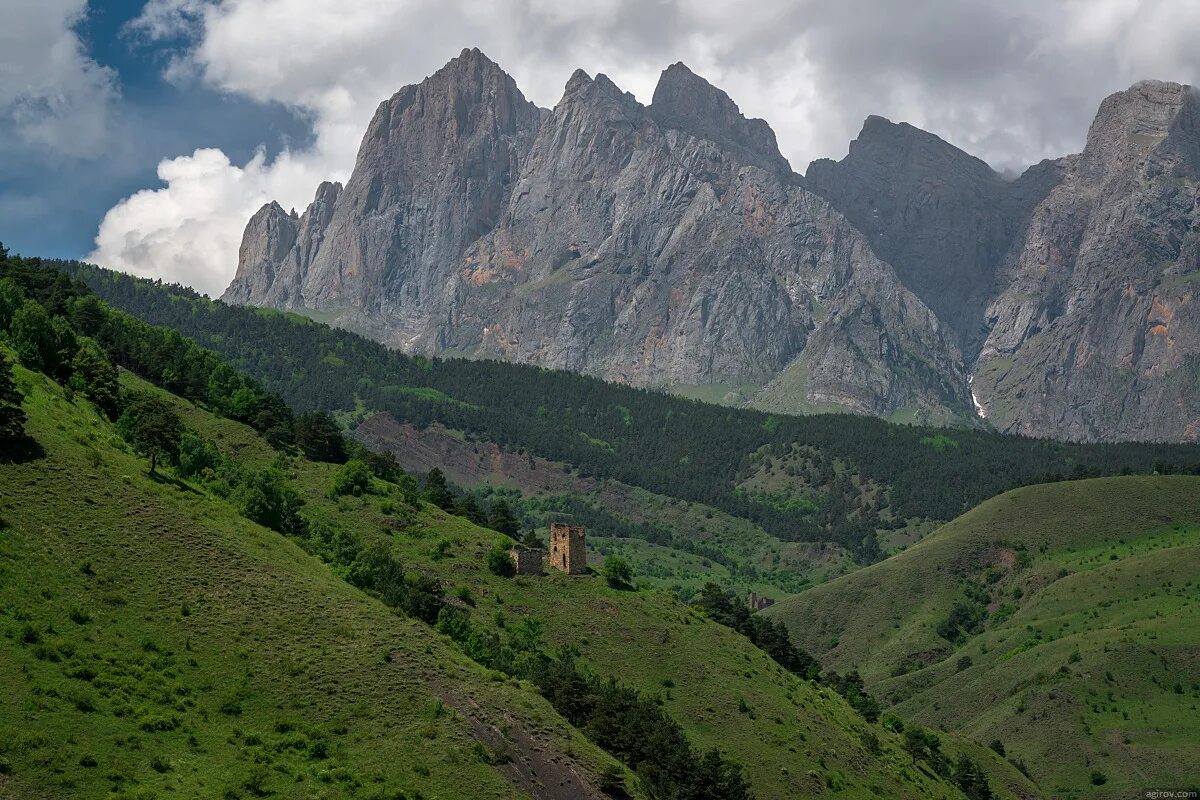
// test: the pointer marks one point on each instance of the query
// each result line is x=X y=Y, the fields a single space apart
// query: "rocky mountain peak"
x=1132 y=123
x=471 y=94
x=900 y=142
x=582 y=88
x=328 y=192
x=941 y=217
x=687 y=102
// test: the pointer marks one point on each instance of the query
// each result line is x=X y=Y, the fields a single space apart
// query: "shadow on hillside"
x=168 y=480
x=21 y=451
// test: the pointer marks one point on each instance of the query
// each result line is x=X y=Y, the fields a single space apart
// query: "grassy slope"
x=155 y=606
x=799 y=740
x=1082 y=676
x=794 y=739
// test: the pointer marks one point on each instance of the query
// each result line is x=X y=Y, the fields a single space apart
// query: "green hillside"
x=793 y=738
x=1059 y=619
x=673 y=543
x=158 y=644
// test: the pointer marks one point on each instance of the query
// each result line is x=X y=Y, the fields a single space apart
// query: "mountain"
x=671 y=245
x=1096 y=332
x=1056 y=619
x=943 y=219
x=661 y=245
x=1070 y=289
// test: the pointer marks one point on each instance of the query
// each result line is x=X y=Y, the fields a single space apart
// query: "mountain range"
x=671 y=245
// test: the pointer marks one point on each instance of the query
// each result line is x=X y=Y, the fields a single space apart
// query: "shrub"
x=499 y=563
x=353 y=477
x=618 y=572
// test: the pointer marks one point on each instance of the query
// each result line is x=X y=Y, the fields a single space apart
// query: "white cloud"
x=186 y=231
x=1011 y=82
x=51 y=94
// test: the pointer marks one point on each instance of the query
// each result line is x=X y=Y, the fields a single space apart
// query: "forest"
x=643 y=437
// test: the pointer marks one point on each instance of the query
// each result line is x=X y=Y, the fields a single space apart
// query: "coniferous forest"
x=645 y=438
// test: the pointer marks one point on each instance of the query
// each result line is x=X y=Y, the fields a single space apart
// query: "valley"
x=653 y=401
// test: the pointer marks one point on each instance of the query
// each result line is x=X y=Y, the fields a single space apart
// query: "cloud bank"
x=52 y=95
x=1012 y=83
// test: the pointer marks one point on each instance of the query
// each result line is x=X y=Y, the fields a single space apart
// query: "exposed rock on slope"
x=659 y=245
x=1097 y=332
x=944 y=219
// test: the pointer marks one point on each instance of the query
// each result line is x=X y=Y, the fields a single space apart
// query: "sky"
x=142 y=134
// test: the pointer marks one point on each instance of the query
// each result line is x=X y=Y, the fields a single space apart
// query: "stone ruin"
x=567 y=548
x=527 y=560
x=759 y=603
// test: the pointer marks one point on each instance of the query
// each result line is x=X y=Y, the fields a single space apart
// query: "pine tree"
x=503 y=519
x=12 y=416
x=437 y=492
x=96 y=377
x=153 y=428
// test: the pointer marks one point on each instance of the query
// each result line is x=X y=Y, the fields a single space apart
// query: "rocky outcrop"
x=1096 y=334
x=672 y=245
x=278 y=247
x=659 y=246
x=942 y=218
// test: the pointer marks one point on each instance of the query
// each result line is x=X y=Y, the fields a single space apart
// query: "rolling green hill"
x=158 y=644
x=1058 y=619
x=793 y=738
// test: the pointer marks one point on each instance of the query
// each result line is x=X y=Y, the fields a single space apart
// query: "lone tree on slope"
x=153 y=428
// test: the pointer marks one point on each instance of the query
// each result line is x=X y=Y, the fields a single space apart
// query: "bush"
x=353 y=477
x=1098 y=778
x=499 y=563
x=268 y=498
x=618 y=572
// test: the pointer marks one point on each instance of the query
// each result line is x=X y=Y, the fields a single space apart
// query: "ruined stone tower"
x=567 y=551
x=526 y=560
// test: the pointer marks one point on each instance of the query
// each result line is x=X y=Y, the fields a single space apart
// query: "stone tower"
x=526 y=560
x=567 y=551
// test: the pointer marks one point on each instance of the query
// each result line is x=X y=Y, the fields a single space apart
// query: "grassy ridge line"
x=155 y=643
x=916 y=588
x=1087 y=667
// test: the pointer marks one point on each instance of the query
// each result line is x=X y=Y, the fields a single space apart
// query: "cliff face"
x=433 y=173
x=944 y=219
x=672 y=245
x=661 y=245
x=1096 y=334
